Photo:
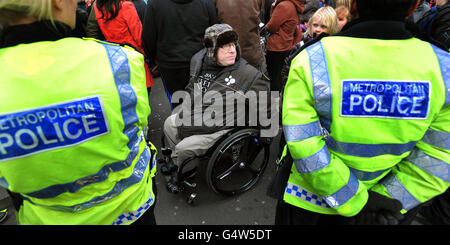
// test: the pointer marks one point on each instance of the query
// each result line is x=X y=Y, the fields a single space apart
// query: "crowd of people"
x=365 y=103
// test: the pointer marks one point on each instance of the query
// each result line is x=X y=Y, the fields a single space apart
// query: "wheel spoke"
x=228 y=171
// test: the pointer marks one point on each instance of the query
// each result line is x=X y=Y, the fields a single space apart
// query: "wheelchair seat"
x=233 y=165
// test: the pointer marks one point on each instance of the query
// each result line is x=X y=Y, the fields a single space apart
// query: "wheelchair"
x=233 y=165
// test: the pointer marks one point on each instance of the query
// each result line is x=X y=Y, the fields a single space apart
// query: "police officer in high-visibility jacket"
x=71 y=120
x=366 y=117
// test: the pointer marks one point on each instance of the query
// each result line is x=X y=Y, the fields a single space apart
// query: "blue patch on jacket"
x=49 y=127
x=385 y=99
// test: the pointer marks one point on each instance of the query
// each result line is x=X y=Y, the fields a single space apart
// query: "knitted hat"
x=217 y=36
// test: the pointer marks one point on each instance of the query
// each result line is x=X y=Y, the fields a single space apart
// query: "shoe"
x=172 y=184
x=3 y=215
x=167 y=167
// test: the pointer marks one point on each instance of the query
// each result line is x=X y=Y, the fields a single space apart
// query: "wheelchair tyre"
x=237 y=163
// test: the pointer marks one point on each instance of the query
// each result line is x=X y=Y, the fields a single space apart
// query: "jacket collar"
x=376 y=29
x=35 y=32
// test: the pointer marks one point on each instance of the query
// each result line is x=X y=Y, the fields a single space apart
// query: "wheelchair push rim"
x=237 y=163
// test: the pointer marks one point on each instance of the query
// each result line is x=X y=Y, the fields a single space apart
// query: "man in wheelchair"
x=224 y=92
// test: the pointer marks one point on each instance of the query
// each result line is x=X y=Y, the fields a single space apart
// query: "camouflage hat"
x=218 y=35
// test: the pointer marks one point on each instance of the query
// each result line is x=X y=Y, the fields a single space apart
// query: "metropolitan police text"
x=52 y=126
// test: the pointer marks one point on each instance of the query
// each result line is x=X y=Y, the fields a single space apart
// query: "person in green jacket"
x=72 y=148
x=368 y=134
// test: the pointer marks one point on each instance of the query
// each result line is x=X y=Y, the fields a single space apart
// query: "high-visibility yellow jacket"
x=71 y=141
x=367 y=114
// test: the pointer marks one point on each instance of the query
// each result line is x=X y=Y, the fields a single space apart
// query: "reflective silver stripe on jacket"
x=321 y=83
x=315 y=162
x=367 y=176
x=430 y=164
x=344 y=194
x=302 y=131
x=397 y=191
x=437 y=138
x=128 y=99
x=368 y=150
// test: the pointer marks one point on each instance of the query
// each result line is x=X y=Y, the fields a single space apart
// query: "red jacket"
x=125 y=28
x=283 y=25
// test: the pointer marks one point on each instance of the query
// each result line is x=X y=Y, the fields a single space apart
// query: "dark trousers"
x=174 y=79
x=287 y=214
x=438 y=211
x=275 y=62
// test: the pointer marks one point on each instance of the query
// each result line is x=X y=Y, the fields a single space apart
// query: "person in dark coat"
x=172 y=33
x=141 y=8
x=243 y=16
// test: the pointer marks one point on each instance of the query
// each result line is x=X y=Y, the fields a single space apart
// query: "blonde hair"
x=328 y=17
x=14 y=10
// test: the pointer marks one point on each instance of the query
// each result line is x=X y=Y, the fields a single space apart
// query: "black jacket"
x=436 y=28
x=141 y=8
x=173 y=30
x=239 y=78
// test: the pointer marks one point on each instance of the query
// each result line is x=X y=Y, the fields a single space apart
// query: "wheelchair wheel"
x=237 y=163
